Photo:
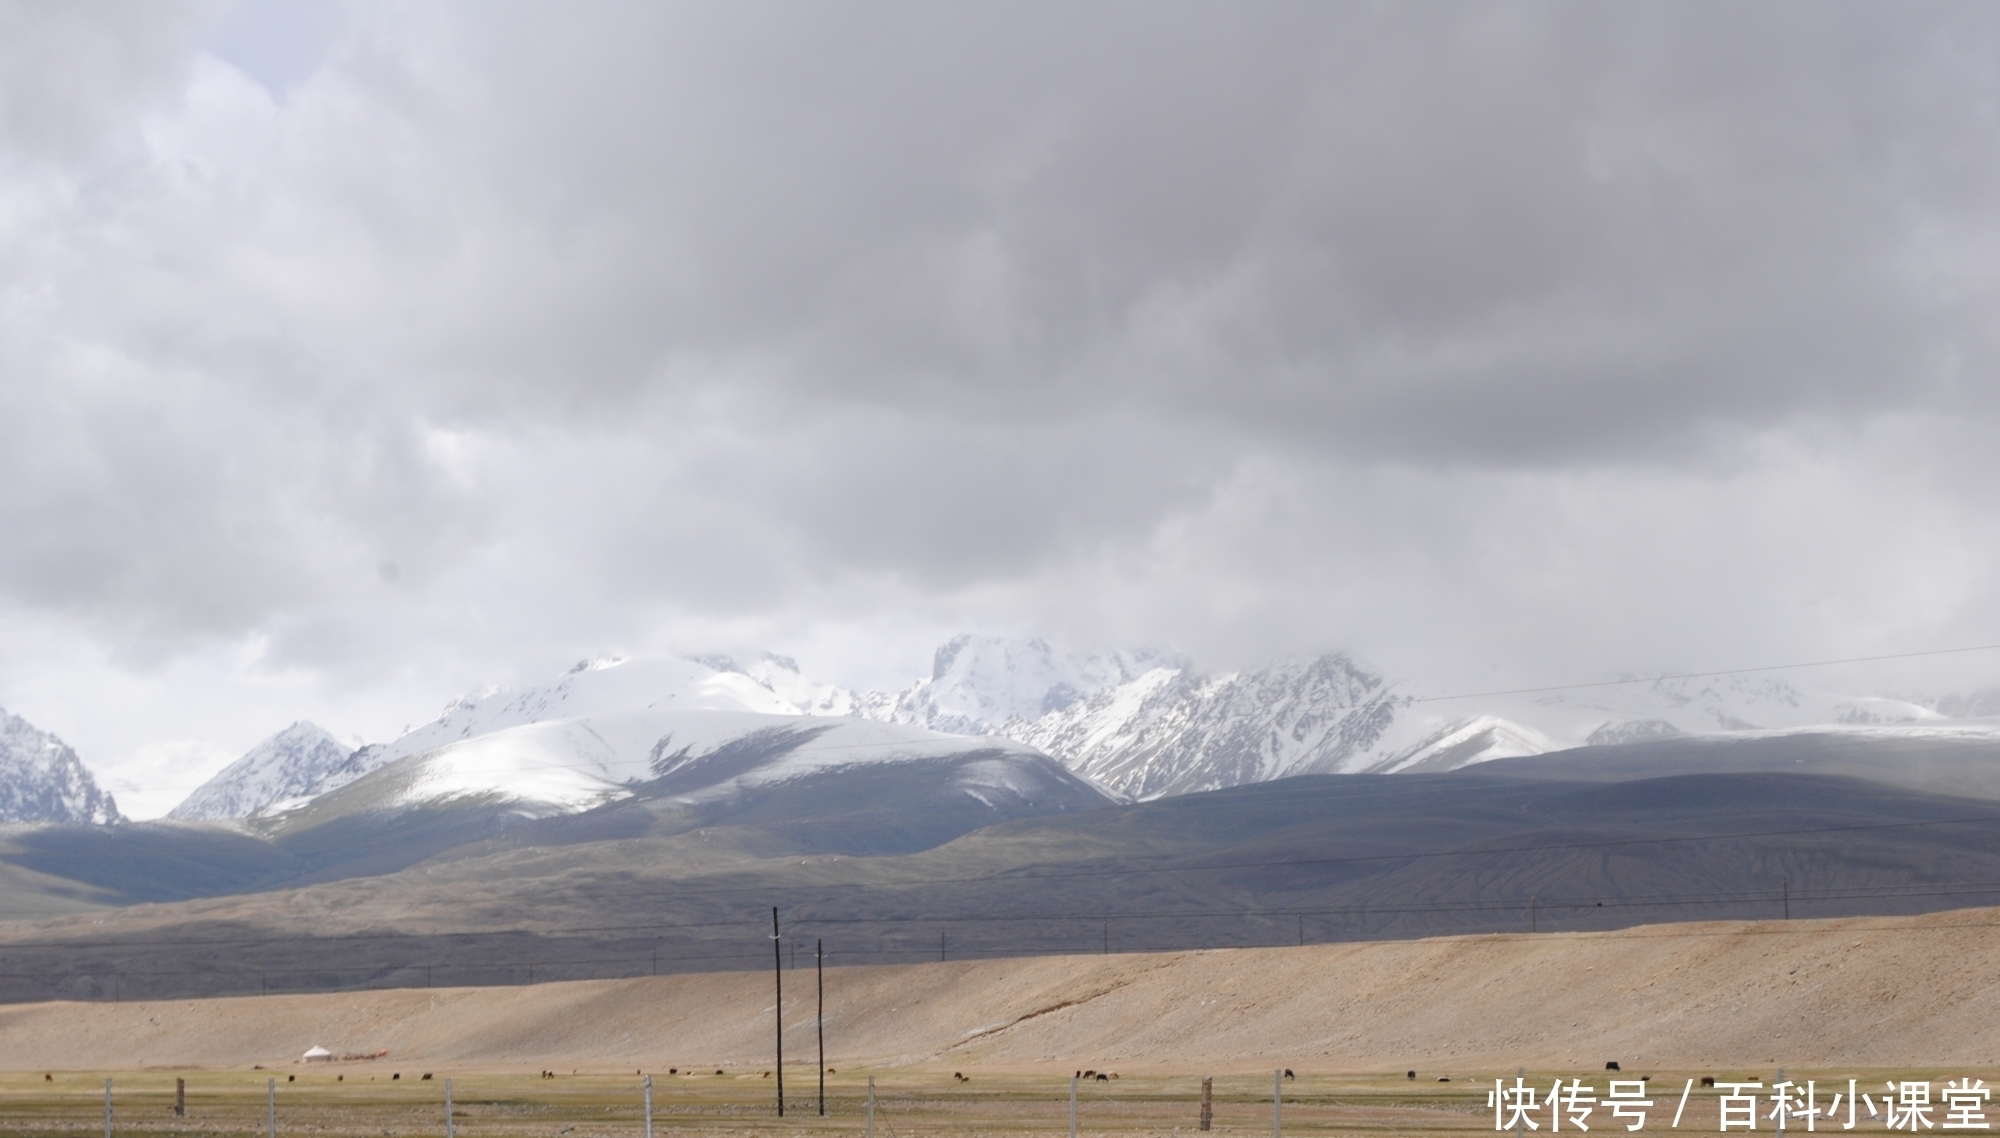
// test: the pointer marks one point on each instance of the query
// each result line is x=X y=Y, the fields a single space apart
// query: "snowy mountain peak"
x=1141 y=723
x=1170 y=731
x=978 y=684
x=303 y=759
x=781 y=675
x=42 y=780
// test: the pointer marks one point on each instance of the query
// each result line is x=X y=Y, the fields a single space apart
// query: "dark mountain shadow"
x=1967 y=765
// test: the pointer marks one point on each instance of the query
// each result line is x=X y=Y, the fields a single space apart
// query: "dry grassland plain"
x=1868 y=998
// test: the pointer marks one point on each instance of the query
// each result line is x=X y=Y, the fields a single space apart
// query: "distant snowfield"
x=567 y=765
x=1138 y=724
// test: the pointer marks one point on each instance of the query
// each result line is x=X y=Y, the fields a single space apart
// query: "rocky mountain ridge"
x=1140 y=723
x=42 y=780
x=1145 y=724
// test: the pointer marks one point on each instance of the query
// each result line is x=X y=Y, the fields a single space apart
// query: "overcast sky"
x=352 y=356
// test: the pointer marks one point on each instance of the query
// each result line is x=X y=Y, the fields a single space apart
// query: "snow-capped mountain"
x=1967 y=704
x=42 y=780
x=1144 y=724
x=1174 y=732
x=980 y=684
x=1139 y=723
x=1171 y=731
x=302 y=760
x=781 y=675
x=1697 y=705
x=698 y=756
x=977 y=685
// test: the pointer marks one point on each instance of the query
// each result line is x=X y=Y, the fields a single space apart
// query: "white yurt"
x=318 y=1055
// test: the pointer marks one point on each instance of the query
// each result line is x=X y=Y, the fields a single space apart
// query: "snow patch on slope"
x=563 y=766
x=302 y=762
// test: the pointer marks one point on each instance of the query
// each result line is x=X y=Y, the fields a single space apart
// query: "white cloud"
x=446 y=344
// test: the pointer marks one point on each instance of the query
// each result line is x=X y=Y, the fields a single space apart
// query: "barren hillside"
x=1858 y=991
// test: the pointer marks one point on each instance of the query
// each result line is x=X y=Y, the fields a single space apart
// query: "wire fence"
x=362 y=1099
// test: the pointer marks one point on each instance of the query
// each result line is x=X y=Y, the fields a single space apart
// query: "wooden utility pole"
x=649 y=1106
x=778 y=975
x=271 y=1105
x=1207 y=1102
x=1072 y=1108
x=180 y=1098
x=819 y=1020
x=450 y=1125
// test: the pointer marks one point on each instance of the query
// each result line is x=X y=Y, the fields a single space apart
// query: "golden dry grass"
x=1865 y=997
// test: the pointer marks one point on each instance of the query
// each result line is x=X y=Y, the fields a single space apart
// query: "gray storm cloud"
x=1530 y=337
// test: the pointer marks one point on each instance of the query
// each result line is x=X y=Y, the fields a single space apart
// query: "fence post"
x=871 y=1106
x=1207 y=1101
x=107 y=1108
x=1072 y=1106
x=271 y=1106
x=1277 y=1104
x=448 y=1125
x=180 y=1098
x=649 y=1106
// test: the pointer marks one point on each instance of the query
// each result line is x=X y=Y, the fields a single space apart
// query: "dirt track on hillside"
x=1869 y=992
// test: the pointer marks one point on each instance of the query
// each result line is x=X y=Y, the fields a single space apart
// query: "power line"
x=1419 y=855
x=1379 y=791
x=1761 y=928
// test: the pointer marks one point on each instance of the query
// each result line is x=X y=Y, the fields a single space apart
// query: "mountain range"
x=1146 y=724
x=1138 y=724
x=636 y=815
x=344 y=895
